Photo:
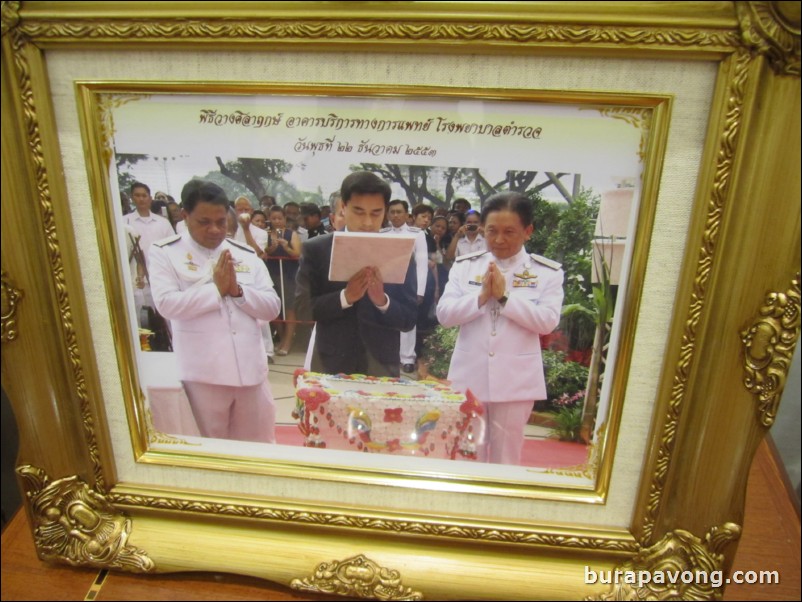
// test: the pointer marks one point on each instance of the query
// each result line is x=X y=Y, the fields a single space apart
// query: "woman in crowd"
x=283 y=251
x=259 y=219
x=175 y=217
x=439 y=231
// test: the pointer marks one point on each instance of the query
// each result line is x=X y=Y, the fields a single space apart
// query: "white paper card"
x=388 y=251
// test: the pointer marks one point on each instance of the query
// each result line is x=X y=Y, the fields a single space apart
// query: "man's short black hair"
x=309 y=209
x=399 y=202
x=188 y=188
x=458 y=214
x=364 y=182
x=509 y=201
x=197 y=191
x=422 y=208
x=460 y=201
x=136 y=185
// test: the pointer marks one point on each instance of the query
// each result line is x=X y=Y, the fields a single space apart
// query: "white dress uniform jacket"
x=217 y=340
x=498 y=355
x=147 y=230
x=259 y=236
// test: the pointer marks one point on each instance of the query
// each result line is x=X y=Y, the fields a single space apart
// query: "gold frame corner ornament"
x=677 y=552
x=10 y=300
x=773 y=29
x=769 y=347
x=357 y=577
x=78 y=526
x=10 y=15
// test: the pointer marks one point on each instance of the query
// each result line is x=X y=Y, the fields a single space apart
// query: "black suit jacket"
x=360 y=339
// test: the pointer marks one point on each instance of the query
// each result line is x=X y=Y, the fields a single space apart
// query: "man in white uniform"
x=214 y=291
x=247 y=233
x=502 y=299
x=148 y=228
x=398 y=214
x=257 y=239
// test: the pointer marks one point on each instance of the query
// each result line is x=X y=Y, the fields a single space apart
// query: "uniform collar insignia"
x=526 y=274
x=191 y=265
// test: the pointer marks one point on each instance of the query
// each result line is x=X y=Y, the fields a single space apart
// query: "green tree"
x=572 y=240
x=545 y=218
x=257 y=175
x=572 y=245
x=233 y=188
x=437 y=185
x=124 y=163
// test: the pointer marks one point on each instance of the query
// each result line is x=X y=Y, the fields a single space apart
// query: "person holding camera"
x=468 y=239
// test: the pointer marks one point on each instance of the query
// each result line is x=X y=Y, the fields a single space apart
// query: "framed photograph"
x=433 y=144
x=673 y=147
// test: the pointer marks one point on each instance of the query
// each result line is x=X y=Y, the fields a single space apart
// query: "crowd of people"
x=220 y=280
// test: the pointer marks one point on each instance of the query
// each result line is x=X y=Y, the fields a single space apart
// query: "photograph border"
x=741 y=266
x=649 y=113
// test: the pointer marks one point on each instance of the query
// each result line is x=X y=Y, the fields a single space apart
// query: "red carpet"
x=540 y=453
x=550 y=453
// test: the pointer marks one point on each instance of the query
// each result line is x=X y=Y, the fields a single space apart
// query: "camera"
x=472 y=227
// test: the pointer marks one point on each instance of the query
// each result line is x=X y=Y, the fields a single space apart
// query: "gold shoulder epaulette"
x=473 y=255
x=549 y=263
x=168 y=241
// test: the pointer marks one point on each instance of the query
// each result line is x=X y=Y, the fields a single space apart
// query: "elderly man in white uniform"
x=502 y=299
x=214 y=291
x=247 y=233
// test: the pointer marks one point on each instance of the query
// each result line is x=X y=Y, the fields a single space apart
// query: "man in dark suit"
x=358 y=322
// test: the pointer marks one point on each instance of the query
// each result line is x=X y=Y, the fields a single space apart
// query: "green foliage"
x=124 y=163
x=570 y=241
x=233 y=189
x=433 y=185
x=578 y=322
x=257 y=175
x=603 y=297
x=438 y=348
x=564 y=378
x=567 y=423
x=546 y=217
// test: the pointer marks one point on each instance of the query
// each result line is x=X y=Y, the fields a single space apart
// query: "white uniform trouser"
x=267 y=337
x=504 y=431
x=240 y=413
x=407 y=354
x=310 y=350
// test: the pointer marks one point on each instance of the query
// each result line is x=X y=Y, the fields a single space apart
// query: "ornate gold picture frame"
x=718 y=318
